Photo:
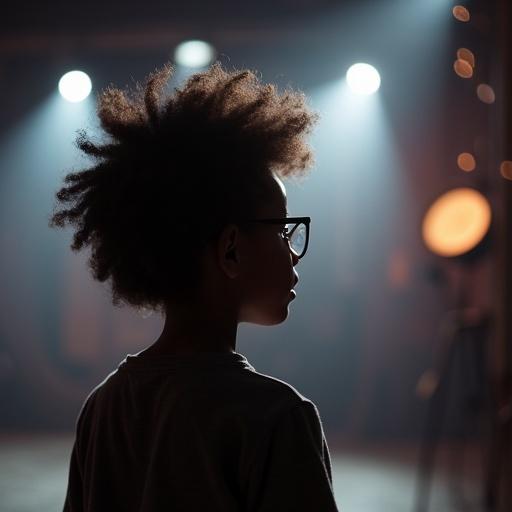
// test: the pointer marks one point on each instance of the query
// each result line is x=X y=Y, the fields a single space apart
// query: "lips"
x=293 y=293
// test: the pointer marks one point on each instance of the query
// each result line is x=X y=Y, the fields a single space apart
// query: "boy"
x=186 y=214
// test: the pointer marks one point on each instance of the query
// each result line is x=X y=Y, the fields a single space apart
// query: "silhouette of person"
x=186 y=214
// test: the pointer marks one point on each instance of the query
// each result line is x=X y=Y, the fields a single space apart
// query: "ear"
x=228 y=250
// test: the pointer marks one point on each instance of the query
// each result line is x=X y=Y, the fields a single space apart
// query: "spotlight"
x=363 y=78
x=194 y=54
x=75 y=86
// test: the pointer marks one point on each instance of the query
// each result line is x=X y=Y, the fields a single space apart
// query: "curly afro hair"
x=172 y=171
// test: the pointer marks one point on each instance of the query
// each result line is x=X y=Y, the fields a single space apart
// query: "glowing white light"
x=194 y=54
x=75 y=86
x=363 y=78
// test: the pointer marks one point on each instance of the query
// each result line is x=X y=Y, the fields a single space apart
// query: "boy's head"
x=164 y=203
x=252 y=271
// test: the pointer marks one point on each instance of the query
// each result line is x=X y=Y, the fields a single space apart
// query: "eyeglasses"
x=296 y=231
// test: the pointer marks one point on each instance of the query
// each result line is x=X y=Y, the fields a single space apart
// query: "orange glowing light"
x=467 y=55
x=463 y=68
x=461 y=13
x=399 y=269
x=427 y=384
x=506 y=169
x=466 y=162
x=485 y=93
x=456 y=222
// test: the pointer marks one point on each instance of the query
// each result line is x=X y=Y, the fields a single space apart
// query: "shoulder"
x=264 y=398
x=284 y=398
x=267 y=385
x=96 y=395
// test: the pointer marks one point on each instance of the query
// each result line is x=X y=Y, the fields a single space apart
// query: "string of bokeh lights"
x=464 y=66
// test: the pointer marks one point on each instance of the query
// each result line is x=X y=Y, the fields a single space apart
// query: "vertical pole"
x=499 y=478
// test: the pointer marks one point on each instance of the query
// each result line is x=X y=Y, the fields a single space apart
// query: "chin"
x=281 y=316
x=269 y=316
x=275 y=317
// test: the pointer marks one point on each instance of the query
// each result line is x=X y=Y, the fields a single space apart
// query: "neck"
x=196 y=329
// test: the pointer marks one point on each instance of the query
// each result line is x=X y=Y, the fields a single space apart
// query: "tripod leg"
x=433 y=424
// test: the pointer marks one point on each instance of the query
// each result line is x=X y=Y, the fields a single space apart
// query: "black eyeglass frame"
x=289 y=220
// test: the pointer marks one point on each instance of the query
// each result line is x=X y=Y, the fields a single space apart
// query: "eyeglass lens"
x=297 y=237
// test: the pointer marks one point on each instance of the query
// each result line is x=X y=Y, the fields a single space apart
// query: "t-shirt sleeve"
x=292 y=472
x=74 y=499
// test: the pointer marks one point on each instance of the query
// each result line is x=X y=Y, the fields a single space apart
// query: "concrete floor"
x=33 y=477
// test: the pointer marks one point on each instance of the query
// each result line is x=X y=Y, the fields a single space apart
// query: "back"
x=198 y=432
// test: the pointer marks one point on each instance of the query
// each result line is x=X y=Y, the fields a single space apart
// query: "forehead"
x=276 y=201
x=280 y=184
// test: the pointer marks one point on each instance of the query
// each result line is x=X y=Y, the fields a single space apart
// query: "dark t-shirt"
x=202 y=432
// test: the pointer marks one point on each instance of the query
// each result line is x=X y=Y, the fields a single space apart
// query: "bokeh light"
x=194 y=54
x=427 y=384
x=467 y=55
x=456 y=222
x=461 y=13
x=485 y=93
x=363 y=78
x=466 y=162
x=506 y=169
x=463 y=68
x=399 y=269
x=75 y=86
